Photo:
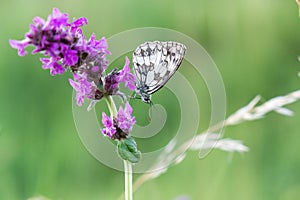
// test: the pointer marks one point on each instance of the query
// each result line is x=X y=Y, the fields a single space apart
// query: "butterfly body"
x=154 y=63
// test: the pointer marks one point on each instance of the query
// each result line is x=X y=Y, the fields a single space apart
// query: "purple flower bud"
x=111 y=82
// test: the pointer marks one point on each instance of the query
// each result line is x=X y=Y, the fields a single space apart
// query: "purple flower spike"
x=63 y=42
x=65 y=47
x=109 y=128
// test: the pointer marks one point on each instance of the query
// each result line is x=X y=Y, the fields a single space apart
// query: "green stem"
x=127 y=165
x=128 y=180
x=111 y=106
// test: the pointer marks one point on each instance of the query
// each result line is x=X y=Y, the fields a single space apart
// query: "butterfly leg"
x=134 y=96
x=122 y=95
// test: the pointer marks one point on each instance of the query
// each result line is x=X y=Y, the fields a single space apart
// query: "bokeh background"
x=255 y=45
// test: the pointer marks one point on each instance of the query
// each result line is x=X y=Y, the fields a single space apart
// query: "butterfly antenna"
x=122 y=96
x=151 y=106
x=134 y=96
x=159 y=113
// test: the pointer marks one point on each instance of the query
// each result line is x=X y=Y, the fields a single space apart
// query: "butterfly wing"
x=154 y=63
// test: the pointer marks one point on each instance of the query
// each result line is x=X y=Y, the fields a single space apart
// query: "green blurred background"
x=254 y=43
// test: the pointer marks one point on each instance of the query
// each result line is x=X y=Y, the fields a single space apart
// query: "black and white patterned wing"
x=154 y=63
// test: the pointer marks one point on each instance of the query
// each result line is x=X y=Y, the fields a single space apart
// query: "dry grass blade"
x=210 y=140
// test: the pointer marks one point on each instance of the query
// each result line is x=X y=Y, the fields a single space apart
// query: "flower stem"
x=127 y=165
x=111 y=106
x=128 y=180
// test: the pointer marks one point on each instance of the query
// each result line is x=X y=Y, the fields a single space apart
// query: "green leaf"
x=127 y=150
x=131 y=144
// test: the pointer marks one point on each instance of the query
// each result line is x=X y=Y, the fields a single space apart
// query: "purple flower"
x=70 y=57
x=82 y=87
x=126 y=77
x=53 y=65
x=119 y=126
x=20 y=45
x=65 y=45
x=76 y=24
x=111 y=84
x=53 y=38
x=125 y=119
x=109 y=128
x=56 y=20
x=97 y=46
x=114 y=78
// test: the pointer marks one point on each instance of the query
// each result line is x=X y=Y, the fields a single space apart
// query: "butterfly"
x=154 y=63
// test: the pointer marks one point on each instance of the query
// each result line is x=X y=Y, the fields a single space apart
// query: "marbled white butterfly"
x=154 y=63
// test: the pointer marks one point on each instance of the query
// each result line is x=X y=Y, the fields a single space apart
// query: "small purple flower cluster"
x=107 y=85
x=118 y=127
x=57 y=38
x=65 y=47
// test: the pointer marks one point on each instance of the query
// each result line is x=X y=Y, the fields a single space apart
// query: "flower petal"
x=20 y=45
